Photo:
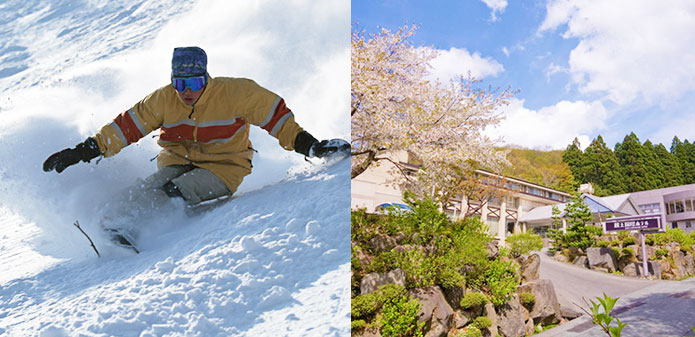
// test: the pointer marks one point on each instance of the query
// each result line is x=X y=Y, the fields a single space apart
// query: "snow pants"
x=146 y=200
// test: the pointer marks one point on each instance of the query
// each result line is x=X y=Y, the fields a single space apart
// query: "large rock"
x=435 y=311
x=510 y=318
x=582 y=261
x=530 y=267
x=602 y=258
x=363 y=258
x=560 y=257
x=371 y=332
x=490 y=312
x=636 y=269
x=372 y=281
x=689 y=264
x=382 y=243
x=454 y=295
x=574 y=252
x=666 y=270
x=546 y=309
x=651 y=252
x=679 y=264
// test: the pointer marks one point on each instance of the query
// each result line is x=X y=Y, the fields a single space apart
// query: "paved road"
x=574 y=282
x=650 y=308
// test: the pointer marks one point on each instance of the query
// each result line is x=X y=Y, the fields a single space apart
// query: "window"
x=679 y=206
x=688 y=224
x=688 y=205
x=674 y=225
x=650 y=208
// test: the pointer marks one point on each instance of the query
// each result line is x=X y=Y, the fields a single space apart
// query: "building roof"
x=622 y=204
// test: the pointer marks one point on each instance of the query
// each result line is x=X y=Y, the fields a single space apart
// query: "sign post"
x=641 y=223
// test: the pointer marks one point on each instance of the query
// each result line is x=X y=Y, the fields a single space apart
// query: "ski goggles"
x=194 y=82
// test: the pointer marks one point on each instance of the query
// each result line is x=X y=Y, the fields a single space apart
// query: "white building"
x=374 y=187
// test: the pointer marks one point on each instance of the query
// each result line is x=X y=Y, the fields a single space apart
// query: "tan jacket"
x=214 y=134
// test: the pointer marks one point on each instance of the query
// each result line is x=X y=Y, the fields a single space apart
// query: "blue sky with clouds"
x=582 y=68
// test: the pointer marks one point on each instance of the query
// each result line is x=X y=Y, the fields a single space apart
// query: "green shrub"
x=482 y=322
x=390 y=292
x=524 y=243
x=424 y=218
x=603 y=243
x=661 y=252
x=357 y=324
x=615 y=243
x=385 y=262
x=473 y=300
x=527 y=299
x=649 y=239
x=420 y=269
x=616 y=251
x=627 y=252
x=449 y=278
x=364 y=305
x=469 y=331
x=629 y=241
x=501 y=279
x=399 y=318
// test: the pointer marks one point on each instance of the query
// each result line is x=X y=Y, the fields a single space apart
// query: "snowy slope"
x=271 y=261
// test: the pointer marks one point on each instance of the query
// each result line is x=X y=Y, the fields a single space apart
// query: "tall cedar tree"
x=573 y=157
x=635 y=164
x=601 y=168
x=672 y=174
x=685 y=154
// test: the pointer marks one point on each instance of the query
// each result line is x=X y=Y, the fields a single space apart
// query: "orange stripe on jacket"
x=176 y=133
x=210 y=133
x=280 y=111
x=130 y=131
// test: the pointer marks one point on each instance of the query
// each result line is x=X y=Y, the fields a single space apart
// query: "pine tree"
x=579 y=234
x=577 y=211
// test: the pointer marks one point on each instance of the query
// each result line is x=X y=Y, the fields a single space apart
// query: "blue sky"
x=582 y=68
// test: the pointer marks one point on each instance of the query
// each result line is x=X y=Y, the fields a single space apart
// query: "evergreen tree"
x=634 y=163
x=573 y=157
x=578 y=234
x=577 y=211
x=602 y=169
x=653 y=165
x=685 y=154
x=672 y=172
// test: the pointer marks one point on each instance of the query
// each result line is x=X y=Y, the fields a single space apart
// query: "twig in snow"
x=77 y=224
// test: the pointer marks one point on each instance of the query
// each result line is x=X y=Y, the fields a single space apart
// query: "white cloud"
x=455 y=62
x=552 y=127
x=496 y=6
x=628 y=50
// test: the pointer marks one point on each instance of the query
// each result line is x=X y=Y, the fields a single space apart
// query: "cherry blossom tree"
x=396 y=108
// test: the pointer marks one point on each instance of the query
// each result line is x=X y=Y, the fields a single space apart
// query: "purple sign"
x=629 y=223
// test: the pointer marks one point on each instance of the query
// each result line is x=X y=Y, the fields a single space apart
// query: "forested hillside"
x=540 y=167
x=631 y=166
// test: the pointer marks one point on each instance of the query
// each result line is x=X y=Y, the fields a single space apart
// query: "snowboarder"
x=204 y=134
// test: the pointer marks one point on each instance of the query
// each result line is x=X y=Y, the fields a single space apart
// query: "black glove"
x=307 y=145
x=84 y=151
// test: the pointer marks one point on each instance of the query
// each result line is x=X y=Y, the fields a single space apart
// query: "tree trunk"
x=359 y=169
